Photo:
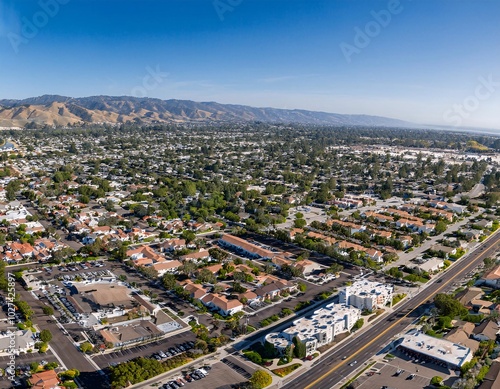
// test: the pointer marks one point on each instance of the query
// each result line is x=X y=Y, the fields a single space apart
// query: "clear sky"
x=426 y=61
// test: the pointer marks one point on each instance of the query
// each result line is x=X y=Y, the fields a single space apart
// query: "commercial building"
x=366 y=294
x=16 y=342
x=133 y=332
x=317 y=330
x=439 y=351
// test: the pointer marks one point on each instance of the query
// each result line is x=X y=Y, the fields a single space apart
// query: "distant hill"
x=61 y=110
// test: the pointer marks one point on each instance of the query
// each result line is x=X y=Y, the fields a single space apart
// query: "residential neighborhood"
x=131 y=247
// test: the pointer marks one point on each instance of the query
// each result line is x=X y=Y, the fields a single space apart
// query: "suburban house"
x=487 y=330
x=483 y=223
x=167 y=267
x=173 y=244
x=306 y=266
x=492 y=378
x=197 y=256
x=472 y=234
x=375 y=255
x=492 y=278
x=462 y=335
x=144 y=255
x=196 y=291
x=222 y=304
x=245 y=248
x=431 y=265
x=45 y=380
x=444 y=250
x=137 y=331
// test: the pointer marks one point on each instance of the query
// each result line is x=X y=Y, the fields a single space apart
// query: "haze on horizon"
x=423 y=61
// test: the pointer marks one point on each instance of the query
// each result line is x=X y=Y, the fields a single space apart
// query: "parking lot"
x=385 y=373
x=222 y=375
x=83 y=270
x=106 y=360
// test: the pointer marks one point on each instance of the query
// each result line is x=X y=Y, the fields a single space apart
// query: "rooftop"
x=440 y=349
x=130 y=332
x=106 y=294
x=365 y=287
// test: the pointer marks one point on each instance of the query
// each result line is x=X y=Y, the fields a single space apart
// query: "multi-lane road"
x=330 y=370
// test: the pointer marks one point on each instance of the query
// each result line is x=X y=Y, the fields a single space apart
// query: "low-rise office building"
x=366 y=294
x=440 y=351
x=317 y=330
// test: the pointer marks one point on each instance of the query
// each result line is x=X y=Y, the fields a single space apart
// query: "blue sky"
x=426 y=61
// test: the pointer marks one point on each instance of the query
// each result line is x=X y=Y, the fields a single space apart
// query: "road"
x=475 y=192
x=332 y=369
x=405 y=257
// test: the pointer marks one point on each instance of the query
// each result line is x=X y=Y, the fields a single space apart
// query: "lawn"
x=397 y=298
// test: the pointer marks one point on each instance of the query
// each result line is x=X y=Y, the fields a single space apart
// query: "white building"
x=439 y=351
x=16 y=342
x=317 y=330
x=366 y=294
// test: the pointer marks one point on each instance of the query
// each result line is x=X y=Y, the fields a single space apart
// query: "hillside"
x=61 y=110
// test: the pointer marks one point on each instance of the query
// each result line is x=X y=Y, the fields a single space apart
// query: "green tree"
x=269 y=350
x=299 y=223
x=189 y=236
x=188 y=267
x=45 y=336
x=444 y=322
x=25 y=309
x=300 y=348
x=395 y=272
x=86 y=347
x=42 y=347
x=440 y=227
x=254 y=357
x=359 y=323
x=169 y=281
x=448 y=306
x=206 y=276
x=48 y=310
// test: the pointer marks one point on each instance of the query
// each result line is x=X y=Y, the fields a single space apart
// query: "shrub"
x=283 y=371
x=254 y=357
x=302 y=305
x=358 y=324
x=436 y=380
x=261 y=379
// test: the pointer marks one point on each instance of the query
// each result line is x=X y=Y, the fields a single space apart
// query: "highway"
x=332 y=369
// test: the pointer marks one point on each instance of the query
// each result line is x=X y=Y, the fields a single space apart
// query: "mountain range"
x=62 y=111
